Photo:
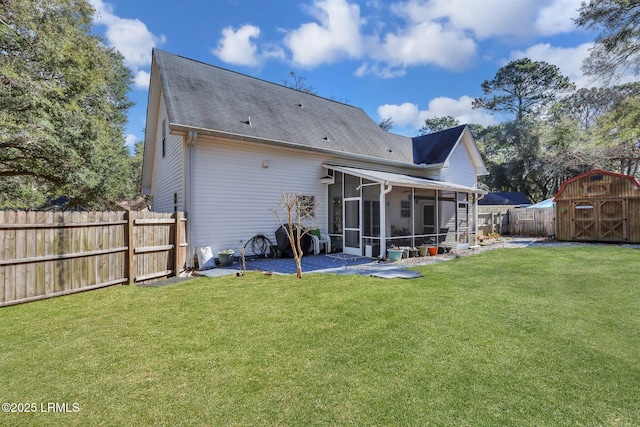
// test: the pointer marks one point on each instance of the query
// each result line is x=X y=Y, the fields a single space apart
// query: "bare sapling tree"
x=296 y=215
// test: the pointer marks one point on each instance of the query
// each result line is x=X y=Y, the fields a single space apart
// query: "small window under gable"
x=306 y=205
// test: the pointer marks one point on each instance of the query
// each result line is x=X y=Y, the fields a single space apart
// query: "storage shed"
x=598 y=206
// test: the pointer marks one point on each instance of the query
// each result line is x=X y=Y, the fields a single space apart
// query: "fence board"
x=492 y=220
x=532 y=222
x=46 y=254
x=517 y=221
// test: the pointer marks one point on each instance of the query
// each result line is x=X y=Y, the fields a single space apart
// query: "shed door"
x=599 y=220
x=611 y=220
x=584 y=225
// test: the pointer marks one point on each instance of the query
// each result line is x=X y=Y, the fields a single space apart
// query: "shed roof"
x=596 y=172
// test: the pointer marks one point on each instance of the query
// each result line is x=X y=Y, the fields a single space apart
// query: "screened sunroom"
x=371 y=211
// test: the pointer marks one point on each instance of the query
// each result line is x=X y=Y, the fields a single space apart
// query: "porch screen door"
x=352 y=226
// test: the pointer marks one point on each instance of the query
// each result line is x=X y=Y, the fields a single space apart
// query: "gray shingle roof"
x=206 y=97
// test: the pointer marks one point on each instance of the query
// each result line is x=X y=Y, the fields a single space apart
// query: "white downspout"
x=383 y=218
x=477 y=197
x=188 y=195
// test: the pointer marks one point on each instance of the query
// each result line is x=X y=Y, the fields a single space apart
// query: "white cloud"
x=237 y=47
x=403 y=115
x=494 y=18
x=460 y=109
x=141 y=79
x=558 y=17
x=337 y=35
x=131 y=37
x=409 y=115
x=386 y=72
x=130 y=142
x=426 y=43
x=487 y=18
x=568 y=60
x=444 y=33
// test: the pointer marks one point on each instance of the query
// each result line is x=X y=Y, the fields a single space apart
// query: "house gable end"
x=439 y=147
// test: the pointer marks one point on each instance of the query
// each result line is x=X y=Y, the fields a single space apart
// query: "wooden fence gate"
x=493 y=221
x=48 y=254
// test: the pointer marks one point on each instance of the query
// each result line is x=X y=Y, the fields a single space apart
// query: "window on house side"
x=405 y=208
x=307 y=205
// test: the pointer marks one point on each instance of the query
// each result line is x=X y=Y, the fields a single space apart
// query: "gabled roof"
x=213 y=100
x=436 y=148
x=505 y=199
x=595 y=172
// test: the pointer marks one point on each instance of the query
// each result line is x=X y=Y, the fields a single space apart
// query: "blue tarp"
x=543 y=204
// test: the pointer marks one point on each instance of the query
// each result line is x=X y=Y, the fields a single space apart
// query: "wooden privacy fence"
x=48 y=254
x=532 y=222
x=517 y=222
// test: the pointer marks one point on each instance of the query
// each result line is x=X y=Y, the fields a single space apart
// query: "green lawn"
x=526 y=337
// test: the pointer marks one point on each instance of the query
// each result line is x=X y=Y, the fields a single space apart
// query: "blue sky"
x=408 y=60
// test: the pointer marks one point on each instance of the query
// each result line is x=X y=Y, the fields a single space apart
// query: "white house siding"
x=460 y=169
x=167 y=170
x=233 y=191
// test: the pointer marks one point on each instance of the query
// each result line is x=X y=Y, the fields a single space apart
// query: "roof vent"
x=390 y=150
x=248 y=121
x=326 y=138
x=300 y=105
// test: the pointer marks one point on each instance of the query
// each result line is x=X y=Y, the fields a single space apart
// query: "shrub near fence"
x=46 y=254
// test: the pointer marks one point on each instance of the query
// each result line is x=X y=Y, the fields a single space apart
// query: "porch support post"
x=475 y=219
x=413 y=217
x=456 y=214
x=384 y=190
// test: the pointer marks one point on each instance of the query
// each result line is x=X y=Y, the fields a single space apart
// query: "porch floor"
x=309 y=263
x=335 y=263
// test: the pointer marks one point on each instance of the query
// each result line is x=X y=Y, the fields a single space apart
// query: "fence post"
x=509 y=221
x=176 y=243
x=493 y=222
x=130 y=249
